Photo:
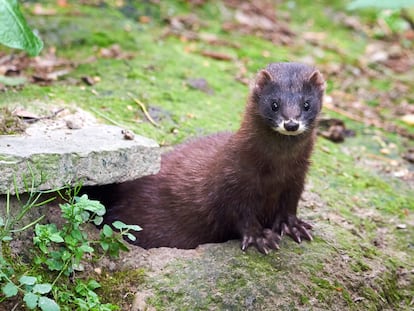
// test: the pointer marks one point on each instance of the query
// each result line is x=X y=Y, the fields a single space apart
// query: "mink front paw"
x=295 y=228
x=264 y=243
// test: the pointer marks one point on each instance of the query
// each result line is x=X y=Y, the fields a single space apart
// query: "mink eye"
x=306 y=105
x=275 y=106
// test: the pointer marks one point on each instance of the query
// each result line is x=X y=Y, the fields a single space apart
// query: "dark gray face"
x=289 y=99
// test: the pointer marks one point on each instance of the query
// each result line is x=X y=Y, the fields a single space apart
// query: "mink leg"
x=263 y=239
x=287 y=221
x=296 y=229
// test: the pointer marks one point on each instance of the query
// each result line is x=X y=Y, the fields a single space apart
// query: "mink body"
x=243 y=185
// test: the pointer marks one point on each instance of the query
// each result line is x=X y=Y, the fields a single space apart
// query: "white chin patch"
x=281 y=129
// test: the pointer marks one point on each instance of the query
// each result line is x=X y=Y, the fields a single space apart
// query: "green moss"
x=346 y=295
x=360 y=266
x=385 y=291
x=322 y=283
x=304 y=300
x=118 y=287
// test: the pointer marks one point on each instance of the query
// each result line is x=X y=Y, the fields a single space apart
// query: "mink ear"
x=316 y=79
x=262 y=79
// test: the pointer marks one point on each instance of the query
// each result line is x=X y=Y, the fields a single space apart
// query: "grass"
x=360 y=196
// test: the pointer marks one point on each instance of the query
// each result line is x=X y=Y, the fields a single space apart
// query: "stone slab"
x=95 y=155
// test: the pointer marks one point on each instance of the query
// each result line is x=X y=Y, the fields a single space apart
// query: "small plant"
x=34 y=292
x=59 y=251
x=14 y=31
x=8 y=222
x=393 y=14
x=9 y=123
x=111 y=243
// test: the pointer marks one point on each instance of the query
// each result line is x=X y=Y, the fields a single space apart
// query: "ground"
x=171 y=70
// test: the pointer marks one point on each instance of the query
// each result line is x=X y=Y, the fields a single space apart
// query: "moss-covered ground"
x=362 y=257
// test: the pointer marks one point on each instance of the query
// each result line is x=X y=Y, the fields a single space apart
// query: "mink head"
x=288 y=97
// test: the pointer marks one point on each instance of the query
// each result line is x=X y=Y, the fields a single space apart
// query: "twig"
x=144 y=110
x=378 y=157
x=388 y=127
x=54 y=114
x=216 y=55
x=106 y=117
x=35 y=119
x=343 y=112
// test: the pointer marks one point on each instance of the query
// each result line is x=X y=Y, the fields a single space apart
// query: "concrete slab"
x=95 y=155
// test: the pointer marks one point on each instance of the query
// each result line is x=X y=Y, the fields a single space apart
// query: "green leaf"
x=9 y=290
x=85 y=216
x=105 y=246
x=31 y=300
x=1 y=218
x=92 y=284
x=78 y=267
x=98 y=220
x=123 y=247
x=27 y=280
x=65 y=255
x=134 y=227
x=114 y=250
x=55 y=237
x=131 y=236
x=14 y=31
x=86 y=248
x=107 y=231
x=93 y=206
x=120 y=225
x=7 y=238
x=54 y=264
x=42 y=288
x=47 y=304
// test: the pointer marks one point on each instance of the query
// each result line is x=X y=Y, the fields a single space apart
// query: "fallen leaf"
x=24 y=114
x=254 y=21
x=217 y=55
x=115 y=51
x=258 y=18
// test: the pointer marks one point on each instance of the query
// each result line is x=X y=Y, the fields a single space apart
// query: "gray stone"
x=95 y=155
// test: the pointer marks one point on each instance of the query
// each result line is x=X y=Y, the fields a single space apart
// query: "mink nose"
x=291 y=125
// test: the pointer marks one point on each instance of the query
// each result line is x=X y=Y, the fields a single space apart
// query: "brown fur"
x=225 y=186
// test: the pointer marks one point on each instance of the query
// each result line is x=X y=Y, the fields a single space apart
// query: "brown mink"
x=243 y=185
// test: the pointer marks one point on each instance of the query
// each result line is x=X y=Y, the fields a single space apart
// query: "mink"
x=244 y=185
